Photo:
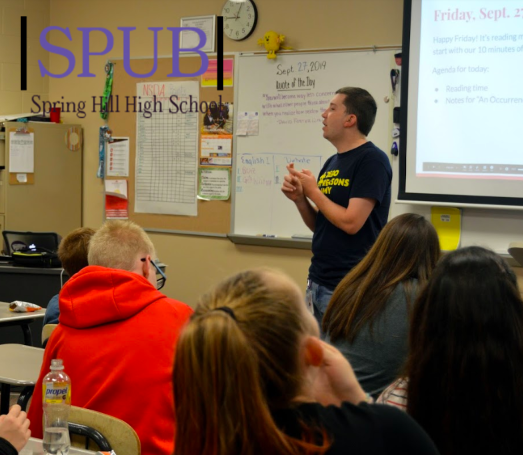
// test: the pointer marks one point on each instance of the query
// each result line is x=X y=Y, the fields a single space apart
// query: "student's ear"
x=312 y=352
x=146 y=269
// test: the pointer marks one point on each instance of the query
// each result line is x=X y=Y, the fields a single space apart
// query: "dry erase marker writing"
x=268 y=236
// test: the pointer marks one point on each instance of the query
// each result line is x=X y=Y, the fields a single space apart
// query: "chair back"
x=77 y=432
x=47 y=329
x=119 y=434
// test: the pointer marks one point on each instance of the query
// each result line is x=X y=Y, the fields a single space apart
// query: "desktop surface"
x=30 y=284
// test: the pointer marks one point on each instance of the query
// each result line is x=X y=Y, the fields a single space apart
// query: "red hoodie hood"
x=99 y=295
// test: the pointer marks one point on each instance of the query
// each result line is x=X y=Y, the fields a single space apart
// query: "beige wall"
x=195 y=263
x=12 y=99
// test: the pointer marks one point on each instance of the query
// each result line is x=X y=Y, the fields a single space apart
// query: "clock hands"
x=238 y=13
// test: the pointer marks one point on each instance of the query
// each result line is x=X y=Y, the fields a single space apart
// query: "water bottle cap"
x=57 y=364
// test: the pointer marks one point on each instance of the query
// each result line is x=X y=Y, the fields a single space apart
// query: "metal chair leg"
x=4 y=401
x=28 y=337
x=24 y=397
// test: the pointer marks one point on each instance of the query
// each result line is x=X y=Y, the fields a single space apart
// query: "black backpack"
x=36 y=257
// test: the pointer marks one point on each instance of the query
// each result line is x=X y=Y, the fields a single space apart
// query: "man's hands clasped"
x=298 y=184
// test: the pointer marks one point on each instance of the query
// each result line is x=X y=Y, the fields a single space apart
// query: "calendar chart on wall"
x=166 y=149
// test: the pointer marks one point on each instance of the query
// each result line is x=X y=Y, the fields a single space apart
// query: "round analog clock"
x=239 y=19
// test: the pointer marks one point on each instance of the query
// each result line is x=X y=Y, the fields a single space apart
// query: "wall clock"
x=239 y=19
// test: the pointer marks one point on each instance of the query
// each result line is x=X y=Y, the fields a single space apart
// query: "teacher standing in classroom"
x=351 y=197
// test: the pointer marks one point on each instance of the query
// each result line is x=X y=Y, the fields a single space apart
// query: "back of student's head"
x=406 y=249
x=237 y=359
x=360 y=103
x=73 y=250
x=465 y=366
x=117 y=245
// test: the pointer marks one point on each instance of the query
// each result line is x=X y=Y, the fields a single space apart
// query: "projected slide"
x=465 y=98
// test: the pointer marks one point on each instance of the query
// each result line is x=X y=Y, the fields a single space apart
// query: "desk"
x=34 y=447
x=10 y=318
x=31 y=284
x=19 y=365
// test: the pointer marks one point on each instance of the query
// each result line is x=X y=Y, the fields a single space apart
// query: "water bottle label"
x=57 y=392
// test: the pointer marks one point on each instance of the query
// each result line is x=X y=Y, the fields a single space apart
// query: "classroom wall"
x=196 y=263
x=12 y=99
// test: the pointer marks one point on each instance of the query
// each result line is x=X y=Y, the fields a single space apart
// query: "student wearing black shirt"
x=358 y=429
x=351 y=198
x=252 y=377
x=465 y=362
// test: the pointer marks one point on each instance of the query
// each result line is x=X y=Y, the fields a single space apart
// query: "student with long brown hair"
x=465 y=364
x=368 y=316
x=251 y=376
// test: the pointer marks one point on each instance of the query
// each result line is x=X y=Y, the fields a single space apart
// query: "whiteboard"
x=290 y=93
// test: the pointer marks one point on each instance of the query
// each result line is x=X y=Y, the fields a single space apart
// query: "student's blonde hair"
x=118 y=243
x=232 y=369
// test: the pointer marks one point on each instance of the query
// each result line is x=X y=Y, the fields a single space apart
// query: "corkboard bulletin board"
x=214 y=217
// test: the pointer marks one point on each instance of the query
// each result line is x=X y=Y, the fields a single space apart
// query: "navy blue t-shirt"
x=363 y=172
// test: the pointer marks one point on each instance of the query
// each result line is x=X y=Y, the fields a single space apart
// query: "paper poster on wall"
x=118 y=159
x=191 y=40
x=215 y=161
x=21 y=152
x=218 y=118
x=166 y=180
x=210 y=77
x=215 y=184
x=447 y=222
x=116 y=200
x=248 y=124
x=216 y=146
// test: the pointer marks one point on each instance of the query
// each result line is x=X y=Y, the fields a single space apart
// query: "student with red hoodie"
x=117 y=337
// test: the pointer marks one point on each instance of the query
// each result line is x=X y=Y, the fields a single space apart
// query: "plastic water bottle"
x=56 y=402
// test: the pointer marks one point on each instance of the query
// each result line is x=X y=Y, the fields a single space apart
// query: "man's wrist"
x=301 y=202
x=314 y=195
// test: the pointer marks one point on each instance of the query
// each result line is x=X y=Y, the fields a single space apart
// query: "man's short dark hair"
x=360 y=103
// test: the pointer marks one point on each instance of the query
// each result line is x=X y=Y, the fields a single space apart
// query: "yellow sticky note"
x=447 y=222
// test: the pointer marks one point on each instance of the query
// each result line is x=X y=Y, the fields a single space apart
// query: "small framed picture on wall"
x=190 y=39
